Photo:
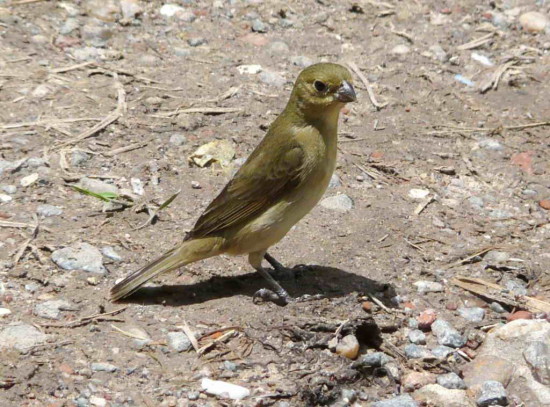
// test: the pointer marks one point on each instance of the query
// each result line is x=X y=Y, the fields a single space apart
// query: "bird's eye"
x=320 y=86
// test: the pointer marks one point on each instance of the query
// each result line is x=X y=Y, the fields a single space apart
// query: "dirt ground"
x=440 y=174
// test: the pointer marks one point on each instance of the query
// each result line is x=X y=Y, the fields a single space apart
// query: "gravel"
x=178 y=341
x=447 y=335
x=48 y=210
x=21 y=337
x=103 y=367
x=428 y=287
x=474 y=314
x=417 y=337
x=339 y=203
x=451 y=381
x=82 y=256
x=492 y=394
x=413 y=351
x=399 y=401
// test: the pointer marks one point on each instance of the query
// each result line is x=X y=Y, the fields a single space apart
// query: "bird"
x=281 y=181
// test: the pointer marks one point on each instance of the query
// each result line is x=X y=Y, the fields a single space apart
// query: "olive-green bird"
x=282 y=180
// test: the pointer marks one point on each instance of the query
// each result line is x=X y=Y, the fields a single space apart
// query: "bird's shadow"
x=330 y=282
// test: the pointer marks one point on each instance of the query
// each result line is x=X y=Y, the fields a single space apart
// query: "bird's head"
x=323 y=86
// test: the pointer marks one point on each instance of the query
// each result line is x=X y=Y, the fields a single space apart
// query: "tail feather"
x=188 y=252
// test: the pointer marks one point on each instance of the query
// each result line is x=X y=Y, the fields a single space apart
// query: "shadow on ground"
x=330 y=282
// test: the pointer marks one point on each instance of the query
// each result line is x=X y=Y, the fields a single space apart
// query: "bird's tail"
x=188 y=252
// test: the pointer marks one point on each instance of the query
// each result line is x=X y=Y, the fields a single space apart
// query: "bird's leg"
x=277 y=266
x=277 y=294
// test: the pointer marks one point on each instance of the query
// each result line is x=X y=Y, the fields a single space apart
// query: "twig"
x=85 y=320
x=111 y=118
x=204 y=110
x=129 y=334
x=477 y=42
x=340 y=327
x=72 y=67
x=365 y=81
x=22 y=2
x=421 y=206
x=125 y=149
x=222 y=338
x=470 y=257
x=48 y=123
x=191 y=335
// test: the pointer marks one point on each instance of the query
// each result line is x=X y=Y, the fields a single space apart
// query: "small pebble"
x=473 y=314
x=533 y=22
x=441 y=351
x=301 y=61
x=451 y=381
x=4 y=312
x=371 y=360
x=492 y=394
x=495 y=306
x=196 y=185
x=413 y=351
x=178 y=139
x=48 y=210
x=219 y=388
x=195 y=42
x=259 y=26
x=109 y=252
x=272 y=78
x=348 y=346
x=5 y=198
x=9 y=189
x=103 y=367
x=400 y=50
x=519 y=315
x=417 y=337
x=340 y=203
x=178 y=341
x=334 y=181
x=399 y=401
x=428 y=287
x=447 y=335
x=426 y=319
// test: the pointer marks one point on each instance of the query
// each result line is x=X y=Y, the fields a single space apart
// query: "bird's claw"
x=265 y=295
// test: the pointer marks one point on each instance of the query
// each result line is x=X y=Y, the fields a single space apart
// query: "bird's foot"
x=264 y=295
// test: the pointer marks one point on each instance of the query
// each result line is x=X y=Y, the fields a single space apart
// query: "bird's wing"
x=264 y=179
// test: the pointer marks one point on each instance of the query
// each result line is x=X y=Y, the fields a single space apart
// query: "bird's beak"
x=346 y=93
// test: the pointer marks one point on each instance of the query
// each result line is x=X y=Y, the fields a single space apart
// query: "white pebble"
x=224 y=389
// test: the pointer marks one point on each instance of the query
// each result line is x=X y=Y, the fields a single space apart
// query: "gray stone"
x=279 y=47
x=197 y=41
x=259 y=26
x=340 y=203
x=229 y=365
x=109 y=252
x=412 y=323
x=178 y=341
x=96 y=35
x=97 y=186
x=272 y=78
x=301 y=61
x=428 y=287
x=516 y=287
x=447 y=335
x=103 y=367
x=81 y=256
x=21 y=337
x=52 y=309
x=441 y=351
x=413 y=351
x=417 y=337
x=82 y=402
x=182 y=52
x=490 y=144
x=537 y=356
x=370 y=360
x=499 y=214
x=70 y=25
x=495 y=306
x=473 y=314
x=35 y=162
x=334 y=181
x=286 y=23
x=439 y=53
x=48 y=210
x=178 y=139
x=492 y=394
x=399 y=401
x=79 y=157
x=451 y=381
x=476 y=202
x=9 y=189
